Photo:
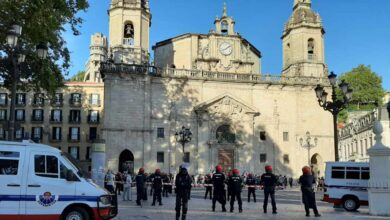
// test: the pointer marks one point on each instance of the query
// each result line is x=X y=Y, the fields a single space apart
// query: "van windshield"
x=73 y=162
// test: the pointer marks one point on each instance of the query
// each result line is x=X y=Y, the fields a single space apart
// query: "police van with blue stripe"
x=39 y=182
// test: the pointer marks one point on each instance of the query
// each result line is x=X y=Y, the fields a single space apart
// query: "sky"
x=357 y=31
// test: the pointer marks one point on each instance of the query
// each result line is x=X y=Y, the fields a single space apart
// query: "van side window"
x=365 y=173
x=338 y=172
x=63 y=171
x=46 y=166
x=353 y=173
x=9 y=163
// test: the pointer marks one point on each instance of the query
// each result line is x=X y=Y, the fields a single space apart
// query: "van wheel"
x=76 y=213
x=351 y=204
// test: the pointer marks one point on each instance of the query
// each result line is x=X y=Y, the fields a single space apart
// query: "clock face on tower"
x=225 y=48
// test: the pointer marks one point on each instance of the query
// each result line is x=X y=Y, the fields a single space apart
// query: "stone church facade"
x=212 y=84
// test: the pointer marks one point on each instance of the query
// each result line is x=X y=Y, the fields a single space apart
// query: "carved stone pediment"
x=226 y=106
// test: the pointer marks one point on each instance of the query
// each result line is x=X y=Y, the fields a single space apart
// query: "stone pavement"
x=200 y=209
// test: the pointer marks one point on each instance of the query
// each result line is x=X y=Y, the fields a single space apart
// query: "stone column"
x=379 y=183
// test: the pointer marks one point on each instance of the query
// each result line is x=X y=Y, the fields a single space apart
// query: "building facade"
x=212 y=84
x=70 y=121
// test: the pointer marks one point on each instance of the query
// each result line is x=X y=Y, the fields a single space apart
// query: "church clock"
x=225 y=48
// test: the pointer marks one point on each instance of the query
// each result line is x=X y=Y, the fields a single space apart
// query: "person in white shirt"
x=127 y=186
x=110 y=180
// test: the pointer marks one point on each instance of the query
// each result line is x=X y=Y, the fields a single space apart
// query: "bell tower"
x=225 y=24
x=303 y=42
x=130 y=22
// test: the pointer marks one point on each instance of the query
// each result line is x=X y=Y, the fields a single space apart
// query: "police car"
x=41 y=182
x=346 y=184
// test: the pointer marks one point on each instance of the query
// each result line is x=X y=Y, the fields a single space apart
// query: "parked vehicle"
x=346 y=184
x=41 y=182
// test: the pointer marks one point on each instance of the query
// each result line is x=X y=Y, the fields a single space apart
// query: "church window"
x=160 y=157
x=286 y=159
x=263 y=158
x=224 y=27
x=262 y=135
x=225 y=134
x=128 y=34
x=285 y=136
x=310 y=49
x=186 y=158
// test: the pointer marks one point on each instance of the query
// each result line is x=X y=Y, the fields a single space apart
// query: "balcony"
x=94 y=120
x=75 y=102
x=20 y=120
x=73 y=138
x=36 y=120
x=3 y=103
x=57 y=102
x=95 y=102
x=56 y=120
x=128 y=41
x=38 y=103
x=53 y=139
x=74 y=120
x=20 y=104
x=92 y=138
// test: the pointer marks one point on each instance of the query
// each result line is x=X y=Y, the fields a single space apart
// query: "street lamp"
x=307 y=144
x=334 y=106
x=17 y=58
x=183 y=136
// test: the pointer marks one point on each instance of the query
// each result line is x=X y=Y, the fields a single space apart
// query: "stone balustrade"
x=210 y=75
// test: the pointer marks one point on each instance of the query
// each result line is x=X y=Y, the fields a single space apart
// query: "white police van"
x=39 y=182
x=346 y=184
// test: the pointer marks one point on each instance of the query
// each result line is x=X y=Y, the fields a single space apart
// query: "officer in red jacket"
x=219 y=193
x=235 y=184
x=268 y=180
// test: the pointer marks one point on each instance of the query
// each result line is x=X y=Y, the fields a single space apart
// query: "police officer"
x=157 y=183
x=251 y=183
x=219 y=193
x=140 y=180
x=235 y=183
x=268 y=180
x=183 y=185
x=308 y=196
x=166 y=182
x=208 y=182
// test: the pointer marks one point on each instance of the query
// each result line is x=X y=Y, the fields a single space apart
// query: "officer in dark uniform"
x=219 y=193
x=268 y=180
x=308 y=196
x=157 y=183
x=251 y=183
x=140 y=180
x=209 y=187
x=183 y=185
x=235 y=183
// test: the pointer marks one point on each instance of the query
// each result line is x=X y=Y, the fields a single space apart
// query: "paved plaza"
x=288 y=203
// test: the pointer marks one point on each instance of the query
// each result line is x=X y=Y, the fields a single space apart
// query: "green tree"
x=42 y=21
x=367 y=89
x=78 y=77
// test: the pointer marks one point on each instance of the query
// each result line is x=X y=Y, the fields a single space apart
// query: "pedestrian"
x=307 y=181
x=157 y=183
x=290 y=181
x=219 y=193
x=118 y=183
x=127 y=187
x=285 y=182
x=235 y=182
x=109 y=179
x=251 y=184
x=208 y=183
x=166 y=182
x=183 y=183
x=140 y=181
x=268 y=180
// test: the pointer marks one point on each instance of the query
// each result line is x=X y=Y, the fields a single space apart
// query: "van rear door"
x=11 y=173
x=46 y=181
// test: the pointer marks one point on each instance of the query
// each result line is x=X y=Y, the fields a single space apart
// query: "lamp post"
x=307 y=144
x=17 y=58
x=334 y=106
x=183 y=136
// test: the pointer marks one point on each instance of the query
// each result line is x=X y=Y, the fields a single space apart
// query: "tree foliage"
x=78 y=77
x=367 y=89
x=42 y=21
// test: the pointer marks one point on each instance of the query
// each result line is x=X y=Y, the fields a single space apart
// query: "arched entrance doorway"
x=226 y=138
x=317 y=165
x=126 y=162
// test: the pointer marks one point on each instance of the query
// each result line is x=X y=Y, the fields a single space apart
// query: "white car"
x=41 y=182
x=346 y=184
